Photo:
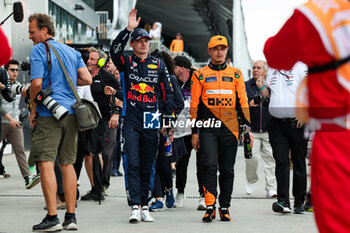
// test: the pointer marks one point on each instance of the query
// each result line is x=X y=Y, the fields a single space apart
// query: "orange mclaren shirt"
x=214 y=92
x=177 y=46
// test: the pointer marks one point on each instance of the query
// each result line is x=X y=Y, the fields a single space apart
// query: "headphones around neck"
x=101 y=60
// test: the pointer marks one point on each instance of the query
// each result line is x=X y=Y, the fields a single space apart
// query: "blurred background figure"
x=156 y=32
x=177 y=45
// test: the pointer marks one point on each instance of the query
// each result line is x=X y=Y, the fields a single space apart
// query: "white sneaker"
x=135 y=216
x=249 y=188
x=201 y=204
x=145 y=215
x=271 y=194
x=179 y=200
x=105 y=190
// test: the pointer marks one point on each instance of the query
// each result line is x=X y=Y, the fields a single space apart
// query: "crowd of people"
x=156 y=109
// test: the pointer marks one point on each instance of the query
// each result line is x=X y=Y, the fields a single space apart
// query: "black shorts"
x=97 y=137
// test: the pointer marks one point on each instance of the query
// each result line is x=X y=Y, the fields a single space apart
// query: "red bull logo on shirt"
x=142 y=98
x=142 y=88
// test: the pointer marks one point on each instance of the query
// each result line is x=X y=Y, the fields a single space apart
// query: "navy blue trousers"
x=139 y=150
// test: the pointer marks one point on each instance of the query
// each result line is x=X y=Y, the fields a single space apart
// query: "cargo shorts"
x=53 y=138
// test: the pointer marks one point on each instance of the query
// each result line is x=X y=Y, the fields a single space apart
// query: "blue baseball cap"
x=139 y=33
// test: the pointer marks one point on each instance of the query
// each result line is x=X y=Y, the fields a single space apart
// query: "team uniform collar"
x=140 y=60
x=217 y=67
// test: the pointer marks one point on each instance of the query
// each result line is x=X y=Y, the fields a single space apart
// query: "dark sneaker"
x=70 y=223
x=156 y=206
x=119 y=173
x=92 y=195
x=299 y=210
x=48 y=226
x=87 y=197
x=308 y=204
x=224 y=214
x=281 y=207
x=31 y=181
x=95 y=197
x=116 y=173
x=209 y=214
x=169 y=198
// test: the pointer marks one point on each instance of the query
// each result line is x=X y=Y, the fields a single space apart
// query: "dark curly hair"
x=11 y=62
x=168 y=60
x=43 y=21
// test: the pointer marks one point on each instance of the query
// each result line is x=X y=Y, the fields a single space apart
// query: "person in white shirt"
x=156 y=32
x=286 y=133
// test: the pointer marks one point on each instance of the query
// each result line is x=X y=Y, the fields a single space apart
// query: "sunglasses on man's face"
x=13 y=70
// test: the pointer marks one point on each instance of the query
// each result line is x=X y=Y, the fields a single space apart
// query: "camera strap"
x=48 y=59
x=69 y=79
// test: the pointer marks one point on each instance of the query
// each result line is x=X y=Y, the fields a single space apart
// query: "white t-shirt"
x=283 y=86
x=84 y=92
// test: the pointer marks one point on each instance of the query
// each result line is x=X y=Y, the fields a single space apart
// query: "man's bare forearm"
x=35 y=88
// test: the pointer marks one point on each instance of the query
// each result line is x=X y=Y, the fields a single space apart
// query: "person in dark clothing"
x=163 y=183
x=183 y=72
x=260 y=117
x=97 y=138
x=147 y=95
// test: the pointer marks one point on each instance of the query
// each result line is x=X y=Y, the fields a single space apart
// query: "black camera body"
x=42 y=95
x=44 y=98
x=257 y=99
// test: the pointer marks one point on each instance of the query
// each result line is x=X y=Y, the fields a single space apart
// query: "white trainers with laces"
x=201 y=204
x=249 y=188
x=179 y=200
x=135 y=216
x=145 y=215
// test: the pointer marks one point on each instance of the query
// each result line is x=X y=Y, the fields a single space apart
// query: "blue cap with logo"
x=139 y=33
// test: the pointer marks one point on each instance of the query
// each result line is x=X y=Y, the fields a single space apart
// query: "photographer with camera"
x=11 y=128
x=55 y=134
x=260 y=117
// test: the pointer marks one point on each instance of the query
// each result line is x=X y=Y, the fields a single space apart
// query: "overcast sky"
x=263 y=19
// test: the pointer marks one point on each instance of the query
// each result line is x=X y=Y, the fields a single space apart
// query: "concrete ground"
x=20 y=209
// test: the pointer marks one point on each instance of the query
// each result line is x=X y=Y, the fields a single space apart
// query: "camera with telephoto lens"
x=16 y=89
x=257 y=99
x=44 y=98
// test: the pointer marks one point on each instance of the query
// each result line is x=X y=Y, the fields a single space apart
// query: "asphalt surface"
x=20 y=209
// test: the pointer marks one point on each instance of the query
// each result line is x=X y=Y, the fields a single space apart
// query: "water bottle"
x=168 y=149
x=247 y=148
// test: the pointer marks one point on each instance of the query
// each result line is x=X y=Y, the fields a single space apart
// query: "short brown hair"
x=11 y=62
x=43 y=21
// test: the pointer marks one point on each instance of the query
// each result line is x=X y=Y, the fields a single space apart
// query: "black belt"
x=284 y=119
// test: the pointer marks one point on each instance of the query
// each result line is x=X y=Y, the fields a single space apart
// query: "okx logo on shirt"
x=151 y=120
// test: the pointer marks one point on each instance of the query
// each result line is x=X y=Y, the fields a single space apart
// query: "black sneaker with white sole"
x=70 y=223
x=281 y=207
x=48 y=225
x=299 y=209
